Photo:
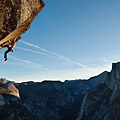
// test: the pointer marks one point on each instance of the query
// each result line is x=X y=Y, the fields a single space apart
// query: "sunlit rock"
x=16 y=17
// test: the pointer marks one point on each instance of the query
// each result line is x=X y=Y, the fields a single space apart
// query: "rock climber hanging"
x=10 y=46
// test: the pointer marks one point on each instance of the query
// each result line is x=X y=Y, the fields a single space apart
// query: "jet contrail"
x=35 y=46
x=38 y=52
x=59 y=56
x=25 y=61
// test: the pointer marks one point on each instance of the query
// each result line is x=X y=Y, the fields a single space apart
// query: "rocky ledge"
x=16 y=17
x=8 y=87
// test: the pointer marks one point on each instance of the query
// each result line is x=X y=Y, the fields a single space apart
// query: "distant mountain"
x=97 y=98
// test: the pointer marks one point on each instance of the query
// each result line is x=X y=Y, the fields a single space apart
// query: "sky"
x=69 y=39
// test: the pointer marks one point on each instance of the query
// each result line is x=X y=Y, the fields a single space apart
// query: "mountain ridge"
x=95 y=98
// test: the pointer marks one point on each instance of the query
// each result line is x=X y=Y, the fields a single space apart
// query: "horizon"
x=68 y=40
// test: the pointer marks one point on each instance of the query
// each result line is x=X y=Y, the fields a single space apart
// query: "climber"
x=10 y=47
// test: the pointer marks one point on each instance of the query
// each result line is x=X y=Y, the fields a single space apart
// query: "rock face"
x=97 y=98
x=103 y=103
x=7 y=87
x=2 y=102
x=16 y=17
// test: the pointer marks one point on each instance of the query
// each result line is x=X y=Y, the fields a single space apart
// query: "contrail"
x=38 y=52
x=35 y=46
x=25 y=61
x=59 y=56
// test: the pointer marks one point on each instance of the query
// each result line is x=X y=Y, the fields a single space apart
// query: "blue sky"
x=69 y=39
